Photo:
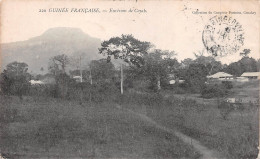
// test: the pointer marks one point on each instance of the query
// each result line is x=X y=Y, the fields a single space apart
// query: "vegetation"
x=36 y=128
x=88 y=118
x=15 y=80
x=216 y=90
x=102 y=71
x=233 y=132
x=246 y=64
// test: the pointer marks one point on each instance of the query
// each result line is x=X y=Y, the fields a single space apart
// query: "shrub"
x=95 y=92
x=211 y=91
x=14 y=85
x=227 y=84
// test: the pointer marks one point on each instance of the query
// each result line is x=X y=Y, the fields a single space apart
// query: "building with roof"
x=221 y=76
x=251 y=75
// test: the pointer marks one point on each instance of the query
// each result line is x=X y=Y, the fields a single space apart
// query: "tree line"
x=139 y=62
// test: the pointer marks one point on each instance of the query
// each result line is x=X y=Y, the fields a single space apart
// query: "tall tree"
x=57 y=64
x=195 y=76
x=57 y=67
x=158 y=65
x=127 y=48
x=76 y=61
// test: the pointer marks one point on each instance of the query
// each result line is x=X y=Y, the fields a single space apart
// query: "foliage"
x=186 y=62
x=158 y=65
x=17 y=68
x=96 y=93
x=126 y=47
x=102 y=71
x=210 y=63
x=246 y=64
x=15 y=80
x=63 y=81
x=245 y=52
x=227 y=84
x=213 y=91
x=57 y=64
x=195 y=77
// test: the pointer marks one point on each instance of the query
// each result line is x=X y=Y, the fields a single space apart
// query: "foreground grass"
x=52 y=128
x=235 y=137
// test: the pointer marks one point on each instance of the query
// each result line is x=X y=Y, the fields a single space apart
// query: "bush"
x=95 y=92
x=14 y=85
x=227 y=84
x=211 y=91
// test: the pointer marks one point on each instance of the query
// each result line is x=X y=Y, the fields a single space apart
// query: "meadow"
x=231 y=129
x=46 y=127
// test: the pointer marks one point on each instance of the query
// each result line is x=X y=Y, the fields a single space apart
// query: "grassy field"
x=235 y=136
x=53 y=128
x=245 y=90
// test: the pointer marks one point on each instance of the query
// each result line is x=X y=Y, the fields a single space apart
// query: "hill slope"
x=37 y=51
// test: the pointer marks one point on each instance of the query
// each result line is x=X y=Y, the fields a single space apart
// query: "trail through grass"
x=64 y=129
x=204 y=151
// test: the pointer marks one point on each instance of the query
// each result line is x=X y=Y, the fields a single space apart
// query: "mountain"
x=37 y=51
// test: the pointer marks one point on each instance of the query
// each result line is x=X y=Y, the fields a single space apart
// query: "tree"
x=17 y=68
x=102 y=71
x=209 y=62
x=186 y=62
x=258 y=65
x=246 y=64
x=76 y=61
x=245 y=52
x=158 y=65
x=196 y=76
x=127 y=48
x=57 y=64
x=15 y=79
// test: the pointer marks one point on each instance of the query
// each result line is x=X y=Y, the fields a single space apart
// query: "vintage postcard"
x=129 y=79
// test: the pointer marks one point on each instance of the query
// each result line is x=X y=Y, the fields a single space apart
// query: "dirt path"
x=204 y=151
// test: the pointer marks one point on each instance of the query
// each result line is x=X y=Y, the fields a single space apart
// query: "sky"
x=169 y=25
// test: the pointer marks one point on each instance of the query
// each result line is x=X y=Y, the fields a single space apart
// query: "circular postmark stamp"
x=223 y=35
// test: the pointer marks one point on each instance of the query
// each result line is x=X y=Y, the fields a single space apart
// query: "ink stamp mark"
x=223 y=35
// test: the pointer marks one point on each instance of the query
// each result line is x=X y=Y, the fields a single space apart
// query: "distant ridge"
x=37 y=51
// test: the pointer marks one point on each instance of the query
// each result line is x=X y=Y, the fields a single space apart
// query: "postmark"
x=223 y=35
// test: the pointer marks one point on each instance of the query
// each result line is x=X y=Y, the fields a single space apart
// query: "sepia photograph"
x=95 y=79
